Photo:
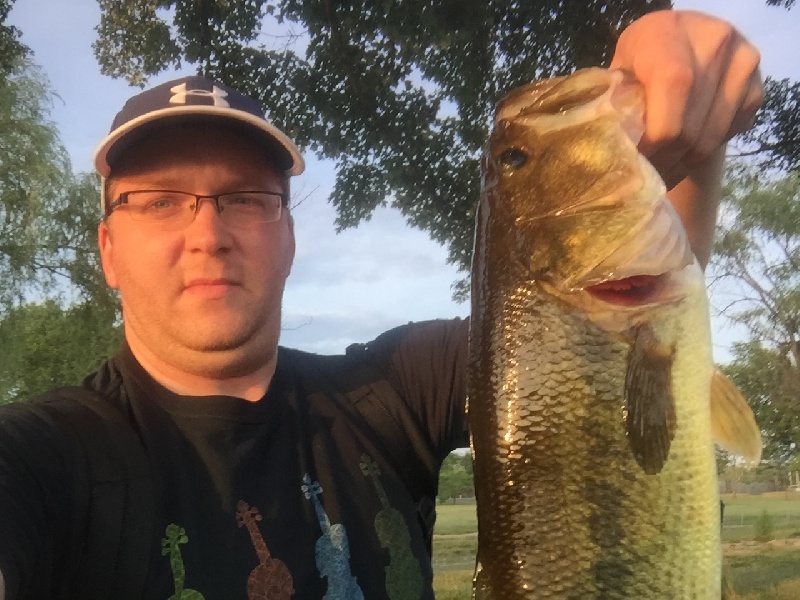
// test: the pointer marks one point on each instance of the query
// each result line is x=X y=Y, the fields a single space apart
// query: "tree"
x=769 y=382
x=52 y=346
x=48 y=216
x=11 y=49
x=73 y=251
x=58 y=341
x=399 y=94
x=455 y=477
x=34 y=174
x=48 y=241
x=757 y=255
x=775 y=137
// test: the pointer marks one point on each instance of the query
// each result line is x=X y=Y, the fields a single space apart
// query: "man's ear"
x=291 y=249
x=106 y=254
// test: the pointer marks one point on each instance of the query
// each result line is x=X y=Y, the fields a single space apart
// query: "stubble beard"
x=221 y=354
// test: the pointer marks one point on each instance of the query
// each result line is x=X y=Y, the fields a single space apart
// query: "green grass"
x=454 y=519
x=785 y=590
x=453 y=585
x=774 y=579
x=742 y=513
x=784 y=503
x=455 y=544
x=766 y=574
x=454 y=552
x=759 y=573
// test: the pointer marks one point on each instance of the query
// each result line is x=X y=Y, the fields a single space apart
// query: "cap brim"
x=275 y=142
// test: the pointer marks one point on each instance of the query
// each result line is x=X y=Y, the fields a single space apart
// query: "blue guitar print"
x=332 y=551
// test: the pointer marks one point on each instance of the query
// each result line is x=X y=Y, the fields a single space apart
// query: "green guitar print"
x=403 y=575
x=175 y=536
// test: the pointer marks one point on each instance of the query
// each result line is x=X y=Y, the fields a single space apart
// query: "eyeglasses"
x=178 y=209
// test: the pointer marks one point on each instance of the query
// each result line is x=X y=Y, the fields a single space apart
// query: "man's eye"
x=246 y=201
x=160 y=203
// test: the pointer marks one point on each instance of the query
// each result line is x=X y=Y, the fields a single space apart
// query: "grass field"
x=742 y=512
x=753 y=571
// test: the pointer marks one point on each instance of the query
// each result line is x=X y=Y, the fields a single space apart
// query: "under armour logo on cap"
x=180 y=94
x=194 y=101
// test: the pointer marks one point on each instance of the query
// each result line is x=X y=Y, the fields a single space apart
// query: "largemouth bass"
x=590 y=360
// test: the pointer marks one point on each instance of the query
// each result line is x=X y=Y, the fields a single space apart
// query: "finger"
x=673 y=135
x=725 y=93
x=673 y=170
x=729 y=118
x=667 y=77
x=752 y=101
x=701 y=85
x=733 y=107
x=668 y=98
x=721 y=65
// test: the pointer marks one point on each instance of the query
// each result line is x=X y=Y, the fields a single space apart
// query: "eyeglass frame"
x=122 y=199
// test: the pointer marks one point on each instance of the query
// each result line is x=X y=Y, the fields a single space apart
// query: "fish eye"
x=514 y=157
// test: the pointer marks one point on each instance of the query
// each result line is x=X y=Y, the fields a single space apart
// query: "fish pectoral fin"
x=733 y=424
x=649 y=403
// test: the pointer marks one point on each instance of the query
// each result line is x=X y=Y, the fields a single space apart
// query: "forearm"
x=2 y=587
x=696 y=199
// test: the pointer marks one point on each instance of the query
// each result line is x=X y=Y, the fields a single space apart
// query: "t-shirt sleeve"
x=426 y=364
x=36 y=467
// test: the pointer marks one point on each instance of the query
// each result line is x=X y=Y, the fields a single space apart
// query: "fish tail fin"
x=733 y=425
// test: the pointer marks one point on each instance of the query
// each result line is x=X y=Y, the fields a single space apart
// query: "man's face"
x=204 y=299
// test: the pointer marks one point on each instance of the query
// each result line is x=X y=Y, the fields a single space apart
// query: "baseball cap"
x=194 y=99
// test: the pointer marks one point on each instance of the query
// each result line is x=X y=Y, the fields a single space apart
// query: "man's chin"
x=228 y=355
x=221 y=361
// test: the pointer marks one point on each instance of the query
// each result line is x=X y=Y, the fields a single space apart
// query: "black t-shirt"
x=295 y=495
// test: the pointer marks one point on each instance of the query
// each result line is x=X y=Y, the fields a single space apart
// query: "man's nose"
x=207 y=229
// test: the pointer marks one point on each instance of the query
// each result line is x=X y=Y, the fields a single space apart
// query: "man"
x=269 y=472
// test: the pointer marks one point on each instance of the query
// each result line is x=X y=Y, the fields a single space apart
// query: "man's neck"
x=250 y=386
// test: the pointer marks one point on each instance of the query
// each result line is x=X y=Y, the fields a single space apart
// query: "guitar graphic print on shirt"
x=332 y=550
x=175 y=536
x=271 y=579
x=403 y=575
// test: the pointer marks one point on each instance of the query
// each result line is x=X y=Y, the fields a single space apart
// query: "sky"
x=346 y=287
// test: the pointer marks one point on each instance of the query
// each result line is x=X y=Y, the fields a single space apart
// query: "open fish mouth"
x=636 y=290
x=647 y=268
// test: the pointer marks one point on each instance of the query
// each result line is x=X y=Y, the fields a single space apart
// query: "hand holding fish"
x=702 y=86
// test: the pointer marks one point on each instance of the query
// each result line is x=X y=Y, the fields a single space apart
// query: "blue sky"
x=351 y=286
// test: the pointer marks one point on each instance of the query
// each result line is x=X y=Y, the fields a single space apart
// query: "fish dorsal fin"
x=649 y=403
x=733 y=425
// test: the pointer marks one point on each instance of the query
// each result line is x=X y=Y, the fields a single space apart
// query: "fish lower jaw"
x=616 y=305
x=634 y=291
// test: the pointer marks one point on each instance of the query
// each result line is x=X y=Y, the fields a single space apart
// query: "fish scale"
x=573 y=502
x=572 y=514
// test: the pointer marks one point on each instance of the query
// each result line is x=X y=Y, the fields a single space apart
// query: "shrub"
x=764 y=527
